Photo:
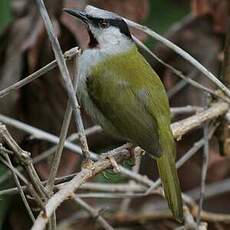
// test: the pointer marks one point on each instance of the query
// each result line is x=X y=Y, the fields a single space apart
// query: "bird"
x=121 y=92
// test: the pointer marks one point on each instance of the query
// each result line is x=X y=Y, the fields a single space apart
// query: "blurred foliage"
x=4 y=13
x=164 y=13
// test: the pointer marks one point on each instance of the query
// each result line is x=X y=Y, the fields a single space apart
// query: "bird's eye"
x=104 y=24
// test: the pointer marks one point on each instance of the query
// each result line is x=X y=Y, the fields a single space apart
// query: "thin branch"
x=67 y=80
x=126 y=202
x=38 y=133
x=182 y=127
x=186 y=110
x=129 y=195
x=214 y=189
x=204 y=165
x=140 y=218
x=68 y=55
x=94 y=213
x=179 y=73
x=62 y=138
x=71 y=187
x=60 y=146
x=21 y=191
x=60 y=181
x=181 y=84
x=24 y=180
x=182 y=53
x=24 y=159
x=75 y=136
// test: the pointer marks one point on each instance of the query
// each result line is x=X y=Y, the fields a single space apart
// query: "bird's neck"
x=111 y=44
x=93 y=56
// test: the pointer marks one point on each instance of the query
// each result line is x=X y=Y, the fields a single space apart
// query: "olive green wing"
x=126 y=91
x=131 y=96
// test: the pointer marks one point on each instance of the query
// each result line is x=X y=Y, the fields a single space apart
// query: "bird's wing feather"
x=129 y=94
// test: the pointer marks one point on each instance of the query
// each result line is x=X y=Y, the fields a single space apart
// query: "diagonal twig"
x=62 y=138
x=24 y=159
x=66 y=77
x=204 y=165
x=68 y=55
x=21 y=191
x=68 y=191
x=182 y=53
x=180 y=74
x=94 y=213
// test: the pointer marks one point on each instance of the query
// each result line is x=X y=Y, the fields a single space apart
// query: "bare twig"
x=129 y=195
x=21 y=191
x=38 y=133
x=181 y=52
x=212 y=190
x=71 y=187
x=60 y=146
x=47 y=153
x=24 y=180
x=67 y=80
x=113 y=188
x=186 y=110
x=126 y=202
x=68 y=55
x=24 y=159
x=204 y=165
x=139 y=218
x=62 y=138
x=75 y=148
x=181 y=127
x=94 y=213
x=181 y=84
x=179 y=73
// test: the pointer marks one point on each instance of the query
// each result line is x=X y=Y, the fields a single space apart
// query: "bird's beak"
x=77 y=13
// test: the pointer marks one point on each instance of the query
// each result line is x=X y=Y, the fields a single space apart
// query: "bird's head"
x=104 y=27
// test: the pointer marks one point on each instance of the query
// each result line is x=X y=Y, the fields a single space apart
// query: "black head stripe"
x=116 y=22
x=121 y=25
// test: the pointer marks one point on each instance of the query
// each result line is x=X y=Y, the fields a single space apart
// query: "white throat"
x=111 y=42
x=110 y=37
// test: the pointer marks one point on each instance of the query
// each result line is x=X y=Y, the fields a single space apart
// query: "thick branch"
x=70 y=188
x=182 y=127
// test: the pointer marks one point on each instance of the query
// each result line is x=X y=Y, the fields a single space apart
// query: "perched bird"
x=121 y=92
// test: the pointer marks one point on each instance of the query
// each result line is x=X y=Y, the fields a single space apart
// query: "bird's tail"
x=168 y=174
